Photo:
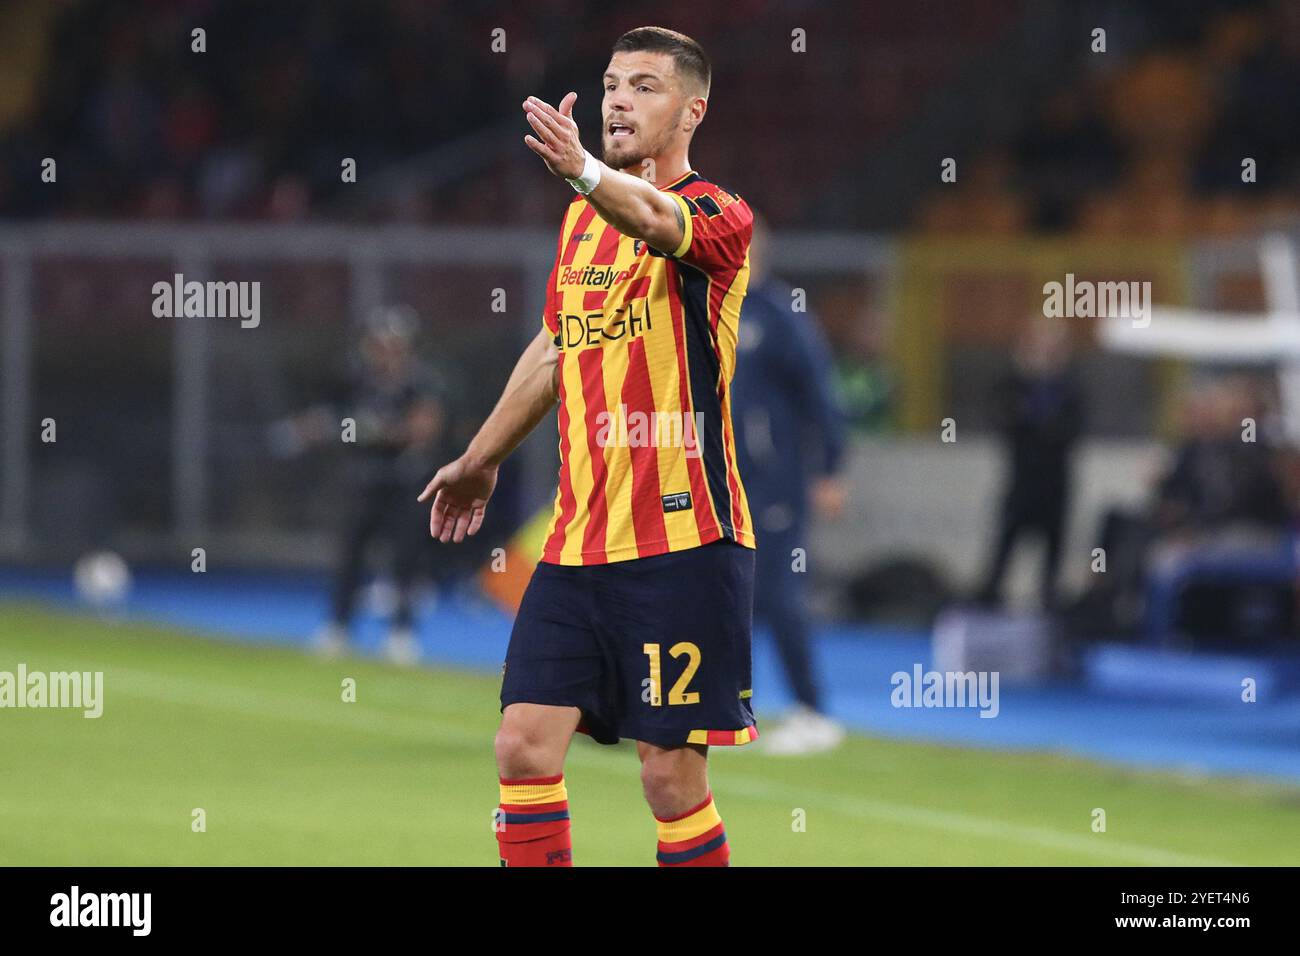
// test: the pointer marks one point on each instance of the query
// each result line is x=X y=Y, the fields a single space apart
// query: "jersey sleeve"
x=718 y=227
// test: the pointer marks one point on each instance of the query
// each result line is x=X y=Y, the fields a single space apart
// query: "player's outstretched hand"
x=460 y=493
x=557 y=139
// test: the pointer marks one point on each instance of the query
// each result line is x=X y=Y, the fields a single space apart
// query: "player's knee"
x=670 y=788
x=521 y=755
x=515 y=753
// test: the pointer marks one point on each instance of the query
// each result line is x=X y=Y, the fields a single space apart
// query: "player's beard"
x=630 y=158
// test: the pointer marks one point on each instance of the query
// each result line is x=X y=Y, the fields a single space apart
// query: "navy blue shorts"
x=653 y=649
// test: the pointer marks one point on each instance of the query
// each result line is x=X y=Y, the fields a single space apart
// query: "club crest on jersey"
x=678 y=502
x=638 y=246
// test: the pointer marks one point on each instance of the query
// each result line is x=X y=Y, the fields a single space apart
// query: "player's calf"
x=676 y=785
x=532 y=820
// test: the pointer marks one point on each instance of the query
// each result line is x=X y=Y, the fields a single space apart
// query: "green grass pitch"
x=287 y=773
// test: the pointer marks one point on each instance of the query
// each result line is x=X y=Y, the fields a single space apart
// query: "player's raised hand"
x=557 y=140
x=460 y=493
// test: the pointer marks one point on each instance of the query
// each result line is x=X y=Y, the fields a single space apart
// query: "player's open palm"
x=557 y=140
x=460 y=493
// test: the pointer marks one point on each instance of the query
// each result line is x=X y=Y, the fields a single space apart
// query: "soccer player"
x=637 y=620
x=400 y=406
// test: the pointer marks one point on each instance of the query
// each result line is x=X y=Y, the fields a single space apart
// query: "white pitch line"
x=1097 y=845
x=433 y=729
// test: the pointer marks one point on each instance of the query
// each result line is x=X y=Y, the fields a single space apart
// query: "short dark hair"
x=686 y=53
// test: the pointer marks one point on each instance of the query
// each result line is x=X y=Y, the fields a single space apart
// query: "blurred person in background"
x=1221 y=509
x=1217 y=478
x=864 y=380
x=1220 y=494
x=790 y=445
x=1040 y=411
x=400 y=413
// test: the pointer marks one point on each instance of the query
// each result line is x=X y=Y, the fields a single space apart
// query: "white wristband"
x=590 y=177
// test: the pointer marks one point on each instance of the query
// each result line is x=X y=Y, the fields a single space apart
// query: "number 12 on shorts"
x=650 y=692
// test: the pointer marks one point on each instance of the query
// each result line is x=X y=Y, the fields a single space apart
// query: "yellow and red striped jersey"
x=647 y=345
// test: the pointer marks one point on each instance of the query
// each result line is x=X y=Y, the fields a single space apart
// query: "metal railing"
x=41 y=256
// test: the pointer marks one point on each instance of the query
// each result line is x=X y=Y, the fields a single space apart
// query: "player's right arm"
x=460 y=490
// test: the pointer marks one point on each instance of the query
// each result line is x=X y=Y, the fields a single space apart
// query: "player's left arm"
x=630 y=204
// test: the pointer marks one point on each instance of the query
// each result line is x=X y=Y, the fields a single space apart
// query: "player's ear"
x=693 y=115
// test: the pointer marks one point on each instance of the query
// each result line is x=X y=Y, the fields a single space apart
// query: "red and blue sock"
x=694 y=838
x=533 y=822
